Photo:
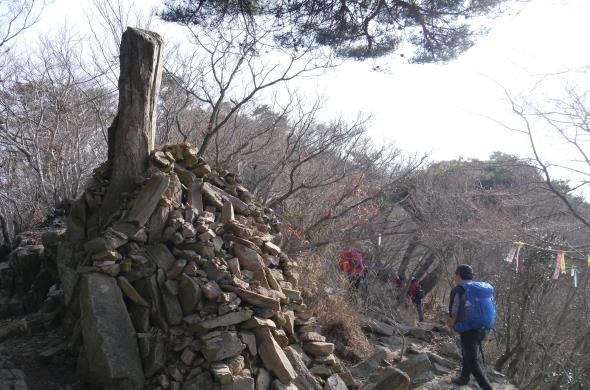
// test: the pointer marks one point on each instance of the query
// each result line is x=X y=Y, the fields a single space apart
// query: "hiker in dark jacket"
x=415 y=293
x=470 y=339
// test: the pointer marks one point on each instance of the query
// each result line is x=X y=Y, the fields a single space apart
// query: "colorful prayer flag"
x=511 y=255
x=575 y=276
x=557 y=265
x=520 y=244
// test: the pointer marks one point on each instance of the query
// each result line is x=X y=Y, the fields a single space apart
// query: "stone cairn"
x=183 y=285
x=186 y=289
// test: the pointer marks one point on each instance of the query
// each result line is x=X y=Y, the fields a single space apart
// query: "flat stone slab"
x=258 y=299
x=273 y=357
x=109 y=338
x=146 y=202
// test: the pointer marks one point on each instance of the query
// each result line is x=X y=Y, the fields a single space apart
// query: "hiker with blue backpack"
x=472 y=312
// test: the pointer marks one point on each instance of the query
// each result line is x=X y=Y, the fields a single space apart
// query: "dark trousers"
x=419 y=308
x=470 y=343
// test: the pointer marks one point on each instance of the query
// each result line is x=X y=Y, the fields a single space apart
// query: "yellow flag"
x=588 y=261
x=563 y=263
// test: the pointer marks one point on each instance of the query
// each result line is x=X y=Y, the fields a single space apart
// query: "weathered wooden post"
x=132 y=135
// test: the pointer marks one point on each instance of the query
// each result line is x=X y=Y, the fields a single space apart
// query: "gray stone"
x=419 y=333
x=130 y=292
x=304 y=380
x=222 y=346
x=140 y=317
x=195 y=198
x=109 y=337
x=240 y=383
x=170 y=302
x=249 y=339
x=158 y=223
x=155 y=360
x=369 y=365
x=189 y=293
x=146 y=202
x=160 y=254
x=387 y=379
x=217 y=196
x=251 y=261
x=202 y=381
x=221 y=373
x=317 y=348
x=378 y=327
x=227 y=212
x=263 y=379
x=211 y=290
x=418 y=367
x=450 y=350
x=233 y=318
x=271 y=248
x=273 y=357
x=258 y=299
x=278 y=385
x=148 y=288
x=334 y=382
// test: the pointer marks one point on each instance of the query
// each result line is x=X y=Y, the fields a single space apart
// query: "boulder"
x=387 y=379
x=369 y=365
x=108 y=334
x=418 y=367
x=450 y=350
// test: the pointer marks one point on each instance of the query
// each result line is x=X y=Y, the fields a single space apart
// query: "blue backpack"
x=480 y=308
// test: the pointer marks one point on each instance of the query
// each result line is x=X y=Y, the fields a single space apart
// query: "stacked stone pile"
x=185 y=287
x=27 y=273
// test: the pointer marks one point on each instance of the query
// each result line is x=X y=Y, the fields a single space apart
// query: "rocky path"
x=430 y=359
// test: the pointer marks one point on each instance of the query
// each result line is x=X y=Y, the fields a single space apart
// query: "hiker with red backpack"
x=472 y=312
x=352 y=263
x=416 y=294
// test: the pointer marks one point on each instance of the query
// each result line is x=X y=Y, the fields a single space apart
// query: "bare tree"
x=16 y=16
x=230 y=67
x=49 y=137
x=565 y=122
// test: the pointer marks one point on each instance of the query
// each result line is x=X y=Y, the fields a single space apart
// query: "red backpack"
x=351 y=262
x=345 y=261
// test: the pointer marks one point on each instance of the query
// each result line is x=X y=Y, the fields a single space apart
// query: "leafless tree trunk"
x=132 y=134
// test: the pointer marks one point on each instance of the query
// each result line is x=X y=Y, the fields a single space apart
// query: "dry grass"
x=332 y=299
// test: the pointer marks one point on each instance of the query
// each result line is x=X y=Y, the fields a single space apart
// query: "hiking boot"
x=460 y=381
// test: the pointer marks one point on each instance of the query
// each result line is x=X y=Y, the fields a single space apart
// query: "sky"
x=445 y=109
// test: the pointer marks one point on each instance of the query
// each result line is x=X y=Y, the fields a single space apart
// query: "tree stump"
x=131 y=136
